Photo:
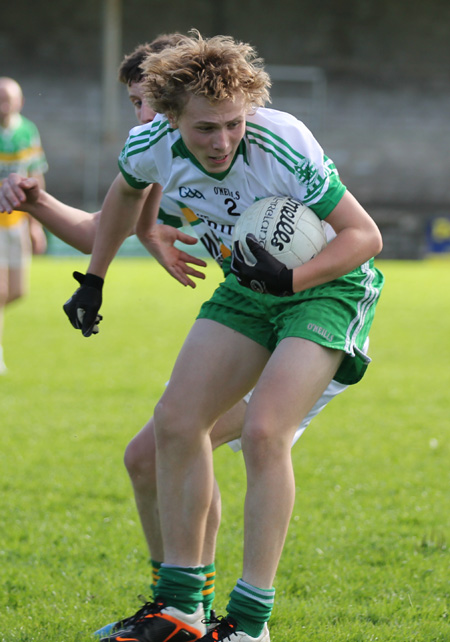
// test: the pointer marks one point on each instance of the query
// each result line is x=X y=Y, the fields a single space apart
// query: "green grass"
x=367 y=554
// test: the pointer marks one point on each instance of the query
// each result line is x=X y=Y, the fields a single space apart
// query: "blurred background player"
x=20 y=235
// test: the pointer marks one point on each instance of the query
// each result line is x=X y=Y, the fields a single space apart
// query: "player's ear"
x=172 y=120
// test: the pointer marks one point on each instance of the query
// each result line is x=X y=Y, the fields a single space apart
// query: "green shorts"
x=337 y=315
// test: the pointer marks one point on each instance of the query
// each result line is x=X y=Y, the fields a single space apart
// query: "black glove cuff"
x=286 y=277
x=93 y=281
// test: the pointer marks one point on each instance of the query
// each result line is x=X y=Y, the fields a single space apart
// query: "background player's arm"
x=39 y=178
x=160 y=243
x=159 y=240
x=73 y=226
x=78 y=228
x=37 y=234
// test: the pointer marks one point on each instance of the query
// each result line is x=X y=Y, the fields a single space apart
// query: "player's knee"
x=170 y=424
x=261 y=443
x=139 y=460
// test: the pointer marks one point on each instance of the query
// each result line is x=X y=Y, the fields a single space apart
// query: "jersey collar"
x=180 y=150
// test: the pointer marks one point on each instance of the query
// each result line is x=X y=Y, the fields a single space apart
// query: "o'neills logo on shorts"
x=285 y=227
x=323 y=333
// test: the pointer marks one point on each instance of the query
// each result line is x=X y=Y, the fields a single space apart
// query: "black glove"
x=83 y=306
x=267 y=276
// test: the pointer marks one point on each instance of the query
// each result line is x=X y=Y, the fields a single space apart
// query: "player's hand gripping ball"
x=282 y=234
x=83 y=306
x=267 y=276
x=289 y=230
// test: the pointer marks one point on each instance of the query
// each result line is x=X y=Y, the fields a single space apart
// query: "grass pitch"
x=367 y=554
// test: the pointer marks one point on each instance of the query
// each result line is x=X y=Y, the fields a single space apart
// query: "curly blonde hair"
x=217 y=68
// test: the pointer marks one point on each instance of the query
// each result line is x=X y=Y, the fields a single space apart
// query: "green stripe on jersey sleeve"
x=305 y=171
x=330 y=199
x=138 y=143
x=131 y=180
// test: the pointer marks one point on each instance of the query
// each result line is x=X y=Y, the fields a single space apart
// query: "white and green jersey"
x=278 y=155
x=185 y=217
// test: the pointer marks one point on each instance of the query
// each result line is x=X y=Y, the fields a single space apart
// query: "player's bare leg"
x=140 y=461
x=293 y=380
x=227 y=428
x=18 y=284
x=3 y=298
x=183 y=419
x=13 y=286
x=185 y=480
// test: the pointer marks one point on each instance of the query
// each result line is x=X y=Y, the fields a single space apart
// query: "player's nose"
x=147 y=114
x=220 y=141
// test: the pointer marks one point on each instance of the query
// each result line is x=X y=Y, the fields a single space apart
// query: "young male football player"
x=78 y=228
x=292 y=336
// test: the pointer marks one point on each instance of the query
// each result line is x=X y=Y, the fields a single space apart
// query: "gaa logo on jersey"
x=188 y=192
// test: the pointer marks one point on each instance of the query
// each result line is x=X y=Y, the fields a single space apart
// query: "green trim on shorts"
x=336 y=315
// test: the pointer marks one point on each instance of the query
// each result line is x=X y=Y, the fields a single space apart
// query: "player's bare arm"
x=18 y=193
x=159 y=240
x=121 y=209
x=160 y=243
x=78 y=228
x=357 y=240
x=73 y=226
x=120 y=213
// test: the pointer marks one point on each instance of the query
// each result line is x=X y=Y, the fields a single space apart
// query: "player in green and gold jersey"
x=20 y=235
